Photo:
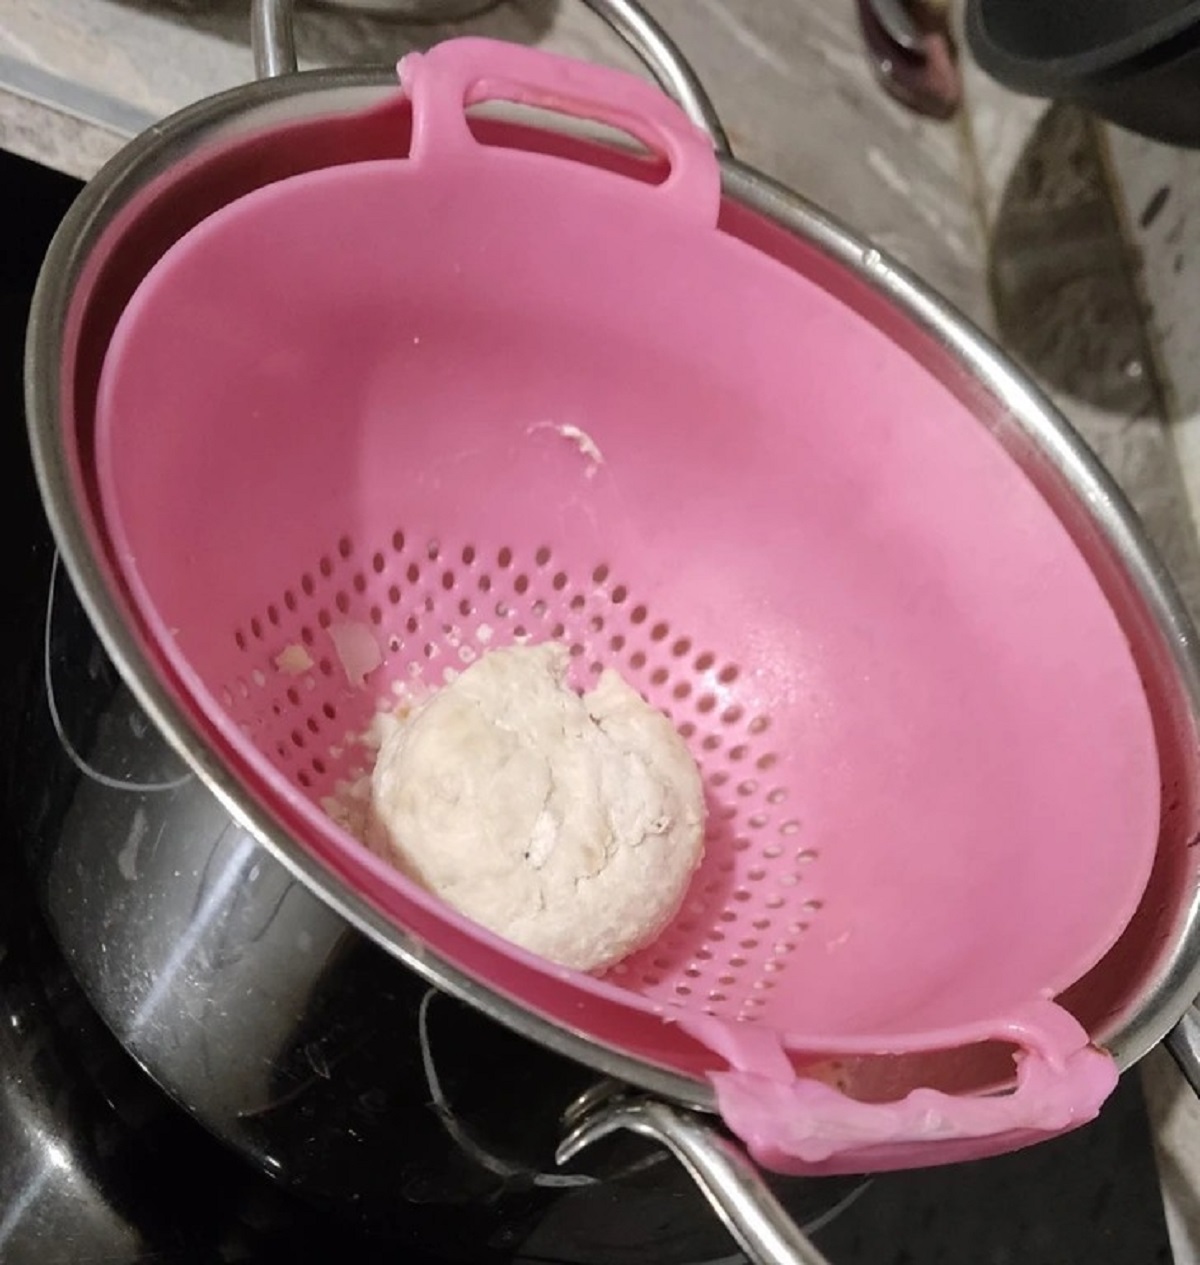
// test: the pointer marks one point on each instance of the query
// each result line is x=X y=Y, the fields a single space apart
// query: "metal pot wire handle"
x=720 y=1168
x=722 y=1171
x=273 y=36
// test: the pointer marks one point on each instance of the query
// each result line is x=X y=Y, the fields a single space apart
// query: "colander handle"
x=802 y=1126
x=459 y=73
x=273 y=38
x=727 y=1179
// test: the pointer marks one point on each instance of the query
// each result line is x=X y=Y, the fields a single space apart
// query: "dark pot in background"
x=1135 y=63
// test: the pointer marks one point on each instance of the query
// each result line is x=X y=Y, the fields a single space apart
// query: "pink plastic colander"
x=401 y=411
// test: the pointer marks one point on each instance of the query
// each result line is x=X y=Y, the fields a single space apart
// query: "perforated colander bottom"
x=433 y=606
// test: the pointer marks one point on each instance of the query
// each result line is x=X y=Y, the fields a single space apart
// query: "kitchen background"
x=1076 y=245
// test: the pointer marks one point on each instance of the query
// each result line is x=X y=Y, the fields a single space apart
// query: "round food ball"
x=569 y=824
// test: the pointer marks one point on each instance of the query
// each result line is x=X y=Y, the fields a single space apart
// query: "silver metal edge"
x=896 y=20
x=273 y=38
x=723 y=1173
x=666 y=62
x=1183 y=1041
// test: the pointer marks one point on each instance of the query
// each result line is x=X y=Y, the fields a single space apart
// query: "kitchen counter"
x=1011 y=212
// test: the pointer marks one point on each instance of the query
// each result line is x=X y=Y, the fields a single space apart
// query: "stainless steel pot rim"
x=1166 y=998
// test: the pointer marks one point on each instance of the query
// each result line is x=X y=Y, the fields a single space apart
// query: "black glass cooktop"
x=98 y=1165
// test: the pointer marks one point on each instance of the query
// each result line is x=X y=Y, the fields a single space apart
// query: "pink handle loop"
x=444 y=81
x=796 y=1125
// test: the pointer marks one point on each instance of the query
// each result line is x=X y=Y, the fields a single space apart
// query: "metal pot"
x=296 y=1039
x=242 y=975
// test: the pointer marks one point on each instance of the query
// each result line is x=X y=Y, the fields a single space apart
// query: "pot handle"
x=725 y=1176
x=272 y=33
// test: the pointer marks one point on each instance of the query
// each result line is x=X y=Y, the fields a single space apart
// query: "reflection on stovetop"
x=98 y=1165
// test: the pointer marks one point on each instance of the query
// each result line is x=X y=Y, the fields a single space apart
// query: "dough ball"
x=568 y=824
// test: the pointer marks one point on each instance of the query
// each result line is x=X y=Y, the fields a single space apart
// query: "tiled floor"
x=1160 y=199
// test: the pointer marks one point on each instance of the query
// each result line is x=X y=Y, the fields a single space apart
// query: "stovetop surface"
x=98 y=1165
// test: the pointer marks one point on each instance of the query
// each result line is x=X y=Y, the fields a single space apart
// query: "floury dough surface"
x=568 y=824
